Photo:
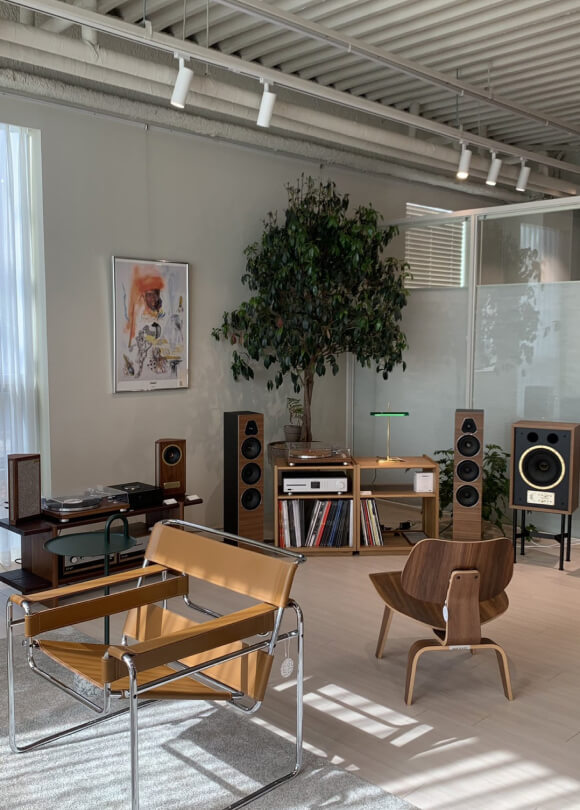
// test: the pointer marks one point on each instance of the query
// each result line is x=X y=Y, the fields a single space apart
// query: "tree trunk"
x=306 y=435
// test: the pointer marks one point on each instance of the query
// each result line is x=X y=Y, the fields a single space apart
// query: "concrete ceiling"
x=392 y=86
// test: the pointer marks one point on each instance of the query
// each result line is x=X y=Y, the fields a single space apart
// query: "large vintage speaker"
x=23 y=486
x=170 y=465
x=545 y=466
x=244 y=474
x=468 y=475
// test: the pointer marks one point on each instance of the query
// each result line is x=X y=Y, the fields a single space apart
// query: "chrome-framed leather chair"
x=227 y=657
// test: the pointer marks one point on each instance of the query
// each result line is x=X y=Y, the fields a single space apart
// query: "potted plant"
x=295 y=412
x=320 y=287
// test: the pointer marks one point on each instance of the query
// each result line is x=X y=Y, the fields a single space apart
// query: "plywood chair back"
x=432 y=561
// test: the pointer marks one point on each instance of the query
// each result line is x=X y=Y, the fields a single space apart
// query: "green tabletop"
x=93 y=544
x=89 y=544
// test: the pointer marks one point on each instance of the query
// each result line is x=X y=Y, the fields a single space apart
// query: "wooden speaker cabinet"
x=244 y=474
x=545 y=466
x=23 y=486
x=468 y=475
x=170 y=466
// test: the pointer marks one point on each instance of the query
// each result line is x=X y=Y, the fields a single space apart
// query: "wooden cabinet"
x=383 y=489
x=298 y=517
x=41 y=570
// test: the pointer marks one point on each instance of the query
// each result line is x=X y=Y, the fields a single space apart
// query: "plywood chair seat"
x=163 y=654
x=453 y=587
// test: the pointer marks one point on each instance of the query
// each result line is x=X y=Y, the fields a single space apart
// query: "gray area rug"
x=192 y=755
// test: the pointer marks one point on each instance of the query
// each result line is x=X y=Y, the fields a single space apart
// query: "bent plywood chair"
x=226 y=657
x=453 y=587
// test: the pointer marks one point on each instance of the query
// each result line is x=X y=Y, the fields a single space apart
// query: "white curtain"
x=18 y=314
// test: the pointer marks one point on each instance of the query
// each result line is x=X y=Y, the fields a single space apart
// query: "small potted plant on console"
x=296 y=413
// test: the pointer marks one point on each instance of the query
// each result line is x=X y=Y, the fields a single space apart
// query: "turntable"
x=92 y=501
x=317 y=453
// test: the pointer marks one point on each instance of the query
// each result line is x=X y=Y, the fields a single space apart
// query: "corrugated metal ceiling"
x=523 y=50
x=446 y=61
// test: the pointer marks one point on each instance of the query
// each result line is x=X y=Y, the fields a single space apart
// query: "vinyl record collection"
x=322 y=523
x=370 y=534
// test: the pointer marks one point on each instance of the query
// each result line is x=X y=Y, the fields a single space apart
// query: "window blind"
x=435 y=252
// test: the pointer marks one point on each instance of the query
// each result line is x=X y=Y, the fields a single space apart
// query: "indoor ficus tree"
x=320 y=287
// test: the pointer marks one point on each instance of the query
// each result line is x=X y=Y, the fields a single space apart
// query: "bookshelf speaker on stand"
x=545 y=476
x=23 y=486
x=170 y=469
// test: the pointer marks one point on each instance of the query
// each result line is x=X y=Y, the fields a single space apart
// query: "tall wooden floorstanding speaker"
x=545 y=466
x=244 y=474
x=468 y=475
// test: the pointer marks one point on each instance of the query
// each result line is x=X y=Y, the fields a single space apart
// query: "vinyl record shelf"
x=360 y=505
x=320 y=506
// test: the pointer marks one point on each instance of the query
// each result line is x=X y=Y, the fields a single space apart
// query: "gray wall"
x=113 y=188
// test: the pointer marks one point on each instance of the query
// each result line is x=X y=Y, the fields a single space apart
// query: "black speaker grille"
x=467 y=496
x=251 y=473
x=467 y=471
x=468 y=446
x=251 y=499
x=542 y=467
x=251 y=448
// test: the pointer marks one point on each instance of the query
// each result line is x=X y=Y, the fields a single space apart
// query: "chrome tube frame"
x=299 y=719
x=134 y=723
x=11 y=623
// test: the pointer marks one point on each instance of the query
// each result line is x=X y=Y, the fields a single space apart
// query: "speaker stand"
x=564 y=538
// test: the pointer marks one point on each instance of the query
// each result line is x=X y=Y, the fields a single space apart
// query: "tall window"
x=21 y=287
x=435 y=252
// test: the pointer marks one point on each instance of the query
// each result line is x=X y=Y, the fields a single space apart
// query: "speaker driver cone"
x=468 y=446
x=251 y=473
x=251 y=499
x=467 y=496
x=467 y=471
x=542 y=467
x=172 y=454
x=251 y=448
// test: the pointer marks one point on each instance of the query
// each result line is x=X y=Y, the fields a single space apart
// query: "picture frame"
x=151 y=326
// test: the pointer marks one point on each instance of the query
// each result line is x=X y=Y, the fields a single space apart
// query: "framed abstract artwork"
x=150 y=302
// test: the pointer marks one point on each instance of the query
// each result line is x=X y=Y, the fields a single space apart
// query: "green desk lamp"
x=388 y=414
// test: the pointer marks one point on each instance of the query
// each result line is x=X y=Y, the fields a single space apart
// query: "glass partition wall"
x=502 y=335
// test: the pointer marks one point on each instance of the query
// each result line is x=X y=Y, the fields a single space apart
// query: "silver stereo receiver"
x=314 y=482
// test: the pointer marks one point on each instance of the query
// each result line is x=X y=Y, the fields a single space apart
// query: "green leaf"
x=320 y=286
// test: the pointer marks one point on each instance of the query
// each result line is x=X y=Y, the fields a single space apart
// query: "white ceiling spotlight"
x=524 y=175
x=182 y=82
x=266 y=106
x=464 y=161
x=494 y=167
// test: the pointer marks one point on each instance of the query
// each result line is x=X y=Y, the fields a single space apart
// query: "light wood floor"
x=461 y=745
